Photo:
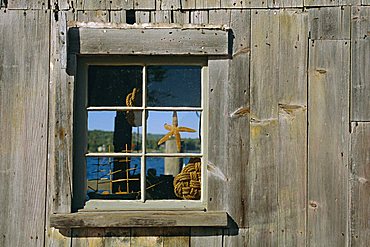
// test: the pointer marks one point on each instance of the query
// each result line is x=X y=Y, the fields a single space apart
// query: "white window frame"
x=142 y=204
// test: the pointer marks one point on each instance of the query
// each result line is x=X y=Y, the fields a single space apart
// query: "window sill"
x=140 y=219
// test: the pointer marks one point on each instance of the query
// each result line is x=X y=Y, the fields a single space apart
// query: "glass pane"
x=173 y=132
x=174 y=86
x=173 y=178
x=111 y=131
x=113 y=178
x=115 y=85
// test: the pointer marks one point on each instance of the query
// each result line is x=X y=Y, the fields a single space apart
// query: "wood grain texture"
x=329 y=3
x=205 y=237
x=168 y=4
x=139 y=219
x=160 y=16
x=117 y=16
x=121 y=4
x=330 y=23
x=27 y=4
x=285 y=3
x=292 y=193
x=179 y=237
x=360 y=90
x=188 y=4
x=235 y=4
x=263 y=158
x=59 y=182
x=360 y=22
x=24 y=70
x=217 y=154
x=231 y=188
x=91 y=5
x=92 y=16
x=62 y=4
x=208 y=4
x=328 y=141
x=144 y=4
x=142 y=16
x=199 y=17
x=152 y=41
x=100 y=237
x=360 y=186
x=181 y=17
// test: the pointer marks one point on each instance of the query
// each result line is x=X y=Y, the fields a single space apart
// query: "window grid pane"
x=144 y=111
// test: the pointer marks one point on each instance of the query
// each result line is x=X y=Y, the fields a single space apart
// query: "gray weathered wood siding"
x=289 y=139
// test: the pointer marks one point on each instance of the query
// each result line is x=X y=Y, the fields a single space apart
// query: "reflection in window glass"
x=112 y=131
x=113 y=178
x=174 y=86
x=162 y=123
x=115 y=85
x=173 y=178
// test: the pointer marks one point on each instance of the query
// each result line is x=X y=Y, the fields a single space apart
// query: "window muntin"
x=150 y=112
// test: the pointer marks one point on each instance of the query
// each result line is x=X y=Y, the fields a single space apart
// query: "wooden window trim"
x=140 y=219
x=197 y=45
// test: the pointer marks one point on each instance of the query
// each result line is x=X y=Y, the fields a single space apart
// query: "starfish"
x=174 y=130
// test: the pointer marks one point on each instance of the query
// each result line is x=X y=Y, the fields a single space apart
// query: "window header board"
x=149 y=40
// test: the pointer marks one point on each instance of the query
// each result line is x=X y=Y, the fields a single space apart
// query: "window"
x=140 y=125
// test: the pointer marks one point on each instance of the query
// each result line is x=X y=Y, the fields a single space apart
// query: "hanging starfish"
x=174 y=130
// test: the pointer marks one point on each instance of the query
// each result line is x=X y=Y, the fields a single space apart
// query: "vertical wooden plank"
x=27 y=4
x=121 y=4
x=91 y=5
x=205 y=237
x=330 y=23
x=180 y=17
x=147 y=237
x=328 y=143
x=234 y=190
x=161 y=16
x=237 y=4
x=208 y=4
x=142 y=16
x=24 y=72
x=360 y=22
x=219 y=17
x=199 y=17
x=62 y=4
x=284 y=3
x=360 y=90
x=117 y=237
x=91 y=15
x=360 y=186
x=88 y=237
x=322 y=3
x=236 y=237
x=263 y=157
x=179 y=237
x=117 y=16
x=59 y=179
x=218 y=76
x=144 y=4
x=168 y=4
x=188 y=4
x=292 y=193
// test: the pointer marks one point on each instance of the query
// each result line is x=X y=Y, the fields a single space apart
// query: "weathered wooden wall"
x=291 y=107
